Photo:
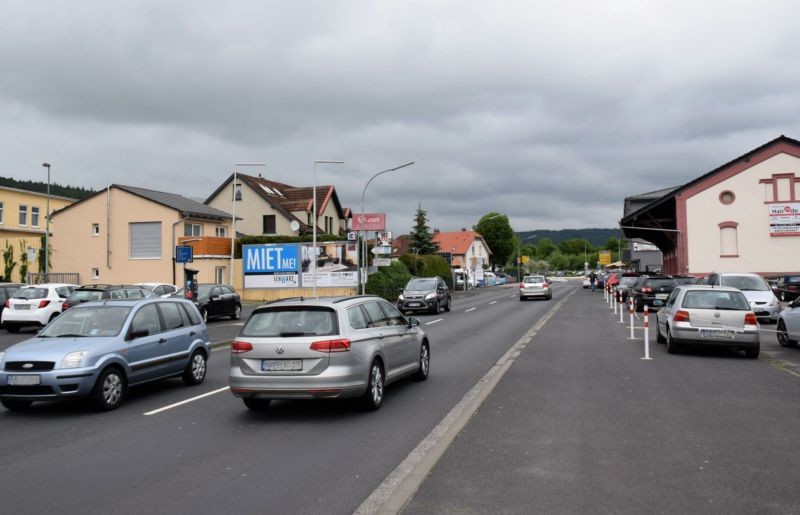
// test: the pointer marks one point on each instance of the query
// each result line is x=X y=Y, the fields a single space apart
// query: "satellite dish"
x=294 y=225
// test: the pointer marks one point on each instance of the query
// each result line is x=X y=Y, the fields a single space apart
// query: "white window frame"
x=221 y=231
x=95 y=230
x=95 y=273
x=34 y=216
x=190 y=228
x=149 y=235
x=219 y=274
x=23 y=215
x=2 y=210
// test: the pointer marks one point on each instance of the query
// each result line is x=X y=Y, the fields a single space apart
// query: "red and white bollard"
x=646 y=333
x=613 y=301
x=621 y=310
x=630 y=310
x=605 y=294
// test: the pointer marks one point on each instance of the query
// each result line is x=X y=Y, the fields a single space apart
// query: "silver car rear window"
x=719 y=300
x=536 y=279
x=292 y=321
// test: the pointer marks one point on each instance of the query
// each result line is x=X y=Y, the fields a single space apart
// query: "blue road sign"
x=184 y=254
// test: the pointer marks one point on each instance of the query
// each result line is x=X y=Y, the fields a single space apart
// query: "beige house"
x=265 y=207
x=23 y=220
x=123 y=234
x=463 y=249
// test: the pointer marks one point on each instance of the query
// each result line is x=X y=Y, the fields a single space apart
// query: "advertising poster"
x=271 y=265
x=784 y=219
x=337 y=264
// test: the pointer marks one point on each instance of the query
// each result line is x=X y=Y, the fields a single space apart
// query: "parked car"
x=761 y=297
x=215 y=300
x=35 y=305
x=425 y=294
x=651 y=291
x=159 y=289
x=103 y=292
x=535 y=286
x=787 y=287
x=98 y=349
x=601 y=281
x=613 y=280
x=685 y=279
x=7 y=290
x=789 y=325
x=712 y=316
x=586 y=283
x=326 y=348
x=626 y=282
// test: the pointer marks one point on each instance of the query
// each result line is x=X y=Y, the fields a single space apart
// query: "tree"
x=23 y=261
x=40 y=255
x=574 y=246
x=420 y=237
x=8 y=262
x=544 y=248
x=499 y=236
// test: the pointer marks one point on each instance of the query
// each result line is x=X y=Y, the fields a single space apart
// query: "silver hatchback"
x=535 y=286
x=716 y=316
x=326 y=348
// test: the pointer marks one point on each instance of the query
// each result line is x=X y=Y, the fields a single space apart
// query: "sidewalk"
x=581 y=424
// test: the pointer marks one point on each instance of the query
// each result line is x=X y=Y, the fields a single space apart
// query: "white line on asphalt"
x=493 y=302
x=165 y=408
x=470 y=309
x=434 y=321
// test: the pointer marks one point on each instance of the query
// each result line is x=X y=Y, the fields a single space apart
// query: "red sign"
x=370 y=222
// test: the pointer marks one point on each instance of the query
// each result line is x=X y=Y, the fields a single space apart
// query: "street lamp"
x=47 y=229
x=519 y=258
x=314 y=224
x=363 y=280
x=233 y=207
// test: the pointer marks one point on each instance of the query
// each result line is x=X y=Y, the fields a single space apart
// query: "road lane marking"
x=165 y=408
x=470 y=309
x=434 y=321
x=493 y=302
x=402 y=483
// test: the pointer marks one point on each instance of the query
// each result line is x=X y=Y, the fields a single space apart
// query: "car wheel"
x=257 y=404
x=672 y=347
x=373 y=397
x=11 y=328
x=237 y=312
x=16 y=405
x=108 y=390
x=752 y=353
x=52 y=317
x=424 y=362
x=783 y=336
x=521 y=298
x=435 y=308
x=204 y=314
x=195 y=371
x=449 y=304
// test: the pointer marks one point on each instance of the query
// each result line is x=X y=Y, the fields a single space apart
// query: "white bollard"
x=621 y=310
x=613 y=302
x=605 y=294
x=630 y=310
x=646 y=333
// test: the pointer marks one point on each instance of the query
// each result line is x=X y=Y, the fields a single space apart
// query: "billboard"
x=271 y=265
x=288 y=265
x=337 y=264
x=370 y=222
x=784 y=219
x=605 y=257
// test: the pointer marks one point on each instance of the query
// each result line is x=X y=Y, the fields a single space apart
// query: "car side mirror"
x=413 y=322
x=138 y=334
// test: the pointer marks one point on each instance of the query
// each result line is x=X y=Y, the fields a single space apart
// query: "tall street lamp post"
x=519 y=257
x=47 y=229
x=314 y=225
x=233 y=207
x=363 y=280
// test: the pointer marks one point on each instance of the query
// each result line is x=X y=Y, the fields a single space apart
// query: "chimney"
x=435 y=230
x=463 y=229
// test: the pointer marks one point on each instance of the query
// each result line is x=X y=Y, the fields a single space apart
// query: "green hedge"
x=388 y=280
x=428 y=266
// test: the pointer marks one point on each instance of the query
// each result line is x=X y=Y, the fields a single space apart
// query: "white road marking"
x=165 y=408
x=470 y=309
x=493 y=302
x=434 y=321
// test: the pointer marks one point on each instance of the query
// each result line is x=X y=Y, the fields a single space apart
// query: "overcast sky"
x=548 y=111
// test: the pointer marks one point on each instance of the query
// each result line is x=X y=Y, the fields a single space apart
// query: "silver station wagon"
x=716 y=316
x=326 y=348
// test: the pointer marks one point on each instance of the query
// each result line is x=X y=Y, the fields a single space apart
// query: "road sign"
x=351 y=236
x=184 y=254
x=605 y=257
x=381 y=251
x=525 y=259
x=382 y=261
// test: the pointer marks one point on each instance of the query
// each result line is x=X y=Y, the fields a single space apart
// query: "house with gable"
x=463 y=249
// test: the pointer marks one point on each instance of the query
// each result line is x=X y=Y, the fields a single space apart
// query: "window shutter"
x=145 y=240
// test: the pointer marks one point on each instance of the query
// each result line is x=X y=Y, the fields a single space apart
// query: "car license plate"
x=716 y=333
x=413 y=304
x=661 y=296
x=22 y=306
x=281 y=365
x=23 y=380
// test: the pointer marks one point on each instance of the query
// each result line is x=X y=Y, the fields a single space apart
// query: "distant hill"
x=597 y=237
x=41 y=187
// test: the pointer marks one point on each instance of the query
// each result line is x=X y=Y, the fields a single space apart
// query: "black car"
x=652 y=291
x=626 y=281
x=425 y=294
x=105 y=292
x=216 y=300
x=7 y=291
x=787 y=287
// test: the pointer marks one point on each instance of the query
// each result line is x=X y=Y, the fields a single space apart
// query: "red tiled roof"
x=458 y=242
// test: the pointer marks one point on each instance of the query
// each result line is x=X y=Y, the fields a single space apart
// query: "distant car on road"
x=717 y=316
x=99 y=349
x=35 y=305
x=326 y=348
x=425 y=294
x=535 y=286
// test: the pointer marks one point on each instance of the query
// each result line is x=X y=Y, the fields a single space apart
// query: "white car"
x=789 y=325
x=586 y=282
x=35 y=305
x=163 y=290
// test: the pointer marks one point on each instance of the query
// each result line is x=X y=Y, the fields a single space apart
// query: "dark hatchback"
x=424 y=294
x=105 y=292
x=652 y=291
x=626 y=282
x=7 y=290
x=787 y=287
x=216 y=300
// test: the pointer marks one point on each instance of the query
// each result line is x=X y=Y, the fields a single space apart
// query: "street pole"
x=314 y=226
x=233 y=210
x=362 y=232
x=46 y=231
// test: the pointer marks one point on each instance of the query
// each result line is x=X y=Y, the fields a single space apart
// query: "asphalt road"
x=160 y=453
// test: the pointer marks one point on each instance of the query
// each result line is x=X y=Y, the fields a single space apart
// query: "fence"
x=53 y=277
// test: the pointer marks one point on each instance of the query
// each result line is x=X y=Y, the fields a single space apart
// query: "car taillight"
x=331 y=346
x=647 y=290
x=750 y=319
x=7 y=304
x=544 y=285
x=521 y=285
x=238 y=347
x=43 y=303
x=682 y=316
x=64 y=306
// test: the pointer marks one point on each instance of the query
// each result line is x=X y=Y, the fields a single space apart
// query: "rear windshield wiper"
x=70 y=335
x=727 y=308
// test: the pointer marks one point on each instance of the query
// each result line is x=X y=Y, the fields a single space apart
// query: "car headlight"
x=401 y=298
x=430 y=296
x=774 y=301
x=73 y=359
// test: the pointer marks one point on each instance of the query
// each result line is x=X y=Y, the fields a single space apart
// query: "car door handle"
x=192 y=333
x=162 y=340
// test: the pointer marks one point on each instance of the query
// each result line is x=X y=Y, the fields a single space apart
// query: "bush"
x=429 y=266
x=388 y=280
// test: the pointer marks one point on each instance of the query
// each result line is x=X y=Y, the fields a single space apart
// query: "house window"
x=221 y=232
x=727 y=197
x=1 y=212
x=237 y=192
x=145 y=240
x=781 y=187
x=95 y=273
x=95 y=229
x=34 y=216
x=268 y=224
x=219 y=275
x=728 y=239
x=23 y=215
x=192 y=229
x=308 y=216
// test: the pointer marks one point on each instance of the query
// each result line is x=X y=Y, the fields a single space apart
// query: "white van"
x=460 y=274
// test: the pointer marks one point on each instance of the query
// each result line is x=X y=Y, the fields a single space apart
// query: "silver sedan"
x=711 y=316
